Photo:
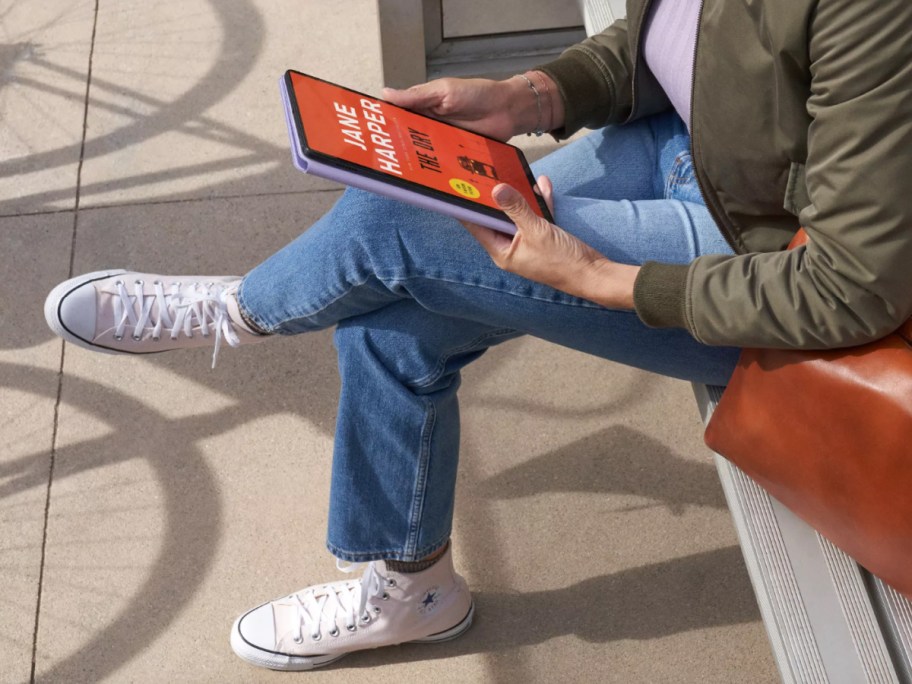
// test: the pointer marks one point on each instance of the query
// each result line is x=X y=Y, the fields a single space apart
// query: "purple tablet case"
x=356 y=180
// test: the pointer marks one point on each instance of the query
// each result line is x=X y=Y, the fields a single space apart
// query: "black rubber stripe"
x=266 y=650
x=79 y=337
x=471 y=608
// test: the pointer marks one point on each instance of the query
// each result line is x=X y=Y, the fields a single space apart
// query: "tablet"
x=346 y=136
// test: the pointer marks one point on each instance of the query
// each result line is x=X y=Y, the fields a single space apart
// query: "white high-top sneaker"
x=322 y=623
x=119 y=312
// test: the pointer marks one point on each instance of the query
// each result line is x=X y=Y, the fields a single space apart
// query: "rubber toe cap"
x=257 y=628
x=76 y=311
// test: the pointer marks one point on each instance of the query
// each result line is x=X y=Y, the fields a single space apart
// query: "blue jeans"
x=415 y=299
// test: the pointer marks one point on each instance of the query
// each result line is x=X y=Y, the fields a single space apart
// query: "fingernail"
x=503 y=194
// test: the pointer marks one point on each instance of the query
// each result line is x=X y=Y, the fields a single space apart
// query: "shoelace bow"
x=206 y=304
x=329 y=603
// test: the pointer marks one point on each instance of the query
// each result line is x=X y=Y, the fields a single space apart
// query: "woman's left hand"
x=545 y=253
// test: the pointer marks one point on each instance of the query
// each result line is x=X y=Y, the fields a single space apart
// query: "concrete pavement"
x=144 y=503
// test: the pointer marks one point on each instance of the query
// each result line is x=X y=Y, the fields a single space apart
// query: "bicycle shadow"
x=289 y=376
x=191 y=506
x=298 y=376
x=285 y=377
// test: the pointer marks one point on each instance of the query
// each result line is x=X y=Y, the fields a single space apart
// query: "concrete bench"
x=828 y=619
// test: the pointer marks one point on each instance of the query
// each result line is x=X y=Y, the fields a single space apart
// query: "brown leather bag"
x=829 y=434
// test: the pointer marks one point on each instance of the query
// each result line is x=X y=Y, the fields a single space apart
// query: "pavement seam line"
x=184 y=200
x=82 y=146
x=56 y=425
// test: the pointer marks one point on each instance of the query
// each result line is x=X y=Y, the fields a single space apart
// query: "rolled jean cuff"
x=395 y=555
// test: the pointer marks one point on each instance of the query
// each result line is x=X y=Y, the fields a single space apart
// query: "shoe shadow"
x=699 y=591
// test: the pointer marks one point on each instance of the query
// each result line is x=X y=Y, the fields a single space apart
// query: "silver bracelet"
x=538 y=124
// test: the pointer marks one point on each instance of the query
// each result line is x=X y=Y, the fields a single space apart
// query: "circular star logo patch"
x=430 y=601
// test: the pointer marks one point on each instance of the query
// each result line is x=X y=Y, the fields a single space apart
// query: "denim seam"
x=582 y=303
x=577 y=302
x=418 y=495
x=675 y=178
x=390 y=554
x=297 y=315
x=435 y=374
x=246 y=312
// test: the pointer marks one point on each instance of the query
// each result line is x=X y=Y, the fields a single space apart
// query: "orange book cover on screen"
x=356 y=129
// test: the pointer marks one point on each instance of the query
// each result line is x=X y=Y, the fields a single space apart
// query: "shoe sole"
x=449 y=634
x=280 y=661
x=55 y=299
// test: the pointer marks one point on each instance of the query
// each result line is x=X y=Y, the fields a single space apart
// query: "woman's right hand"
x=498 y=109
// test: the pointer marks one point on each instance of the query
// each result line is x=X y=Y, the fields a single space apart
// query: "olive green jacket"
x=802 y=116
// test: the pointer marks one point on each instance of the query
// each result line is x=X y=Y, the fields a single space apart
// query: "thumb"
x=515 y=206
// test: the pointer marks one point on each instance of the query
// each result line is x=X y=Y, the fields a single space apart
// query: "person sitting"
x=720 y=128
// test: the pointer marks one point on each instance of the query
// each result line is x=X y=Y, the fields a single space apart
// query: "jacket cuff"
x=584 y=89
x=659 y=295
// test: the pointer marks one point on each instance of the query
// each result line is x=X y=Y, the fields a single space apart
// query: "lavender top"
x=669 y=48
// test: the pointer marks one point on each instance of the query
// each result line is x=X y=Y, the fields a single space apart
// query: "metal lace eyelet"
x=316 y=637
x=156 y=282
x=391 y=583
x=118 y=282
x=138 y=282
x=377 y=610
x=385 y=597
x=137 y=338
x=365 y=618
x=334 y=632
x=156 y=339
x=351 y=628
x=118 y=337
x=298 y=640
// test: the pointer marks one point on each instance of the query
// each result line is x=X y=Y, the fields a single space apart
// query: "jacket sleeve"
x=853 y=282
x=595 y=79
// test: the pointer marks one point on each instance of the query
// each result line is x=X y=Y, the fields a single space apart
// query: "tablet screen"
x=349 y=128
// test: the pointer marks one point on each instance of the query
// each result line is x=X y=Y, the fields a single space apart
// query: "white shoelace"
x=202 y=303
x=332 y=602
